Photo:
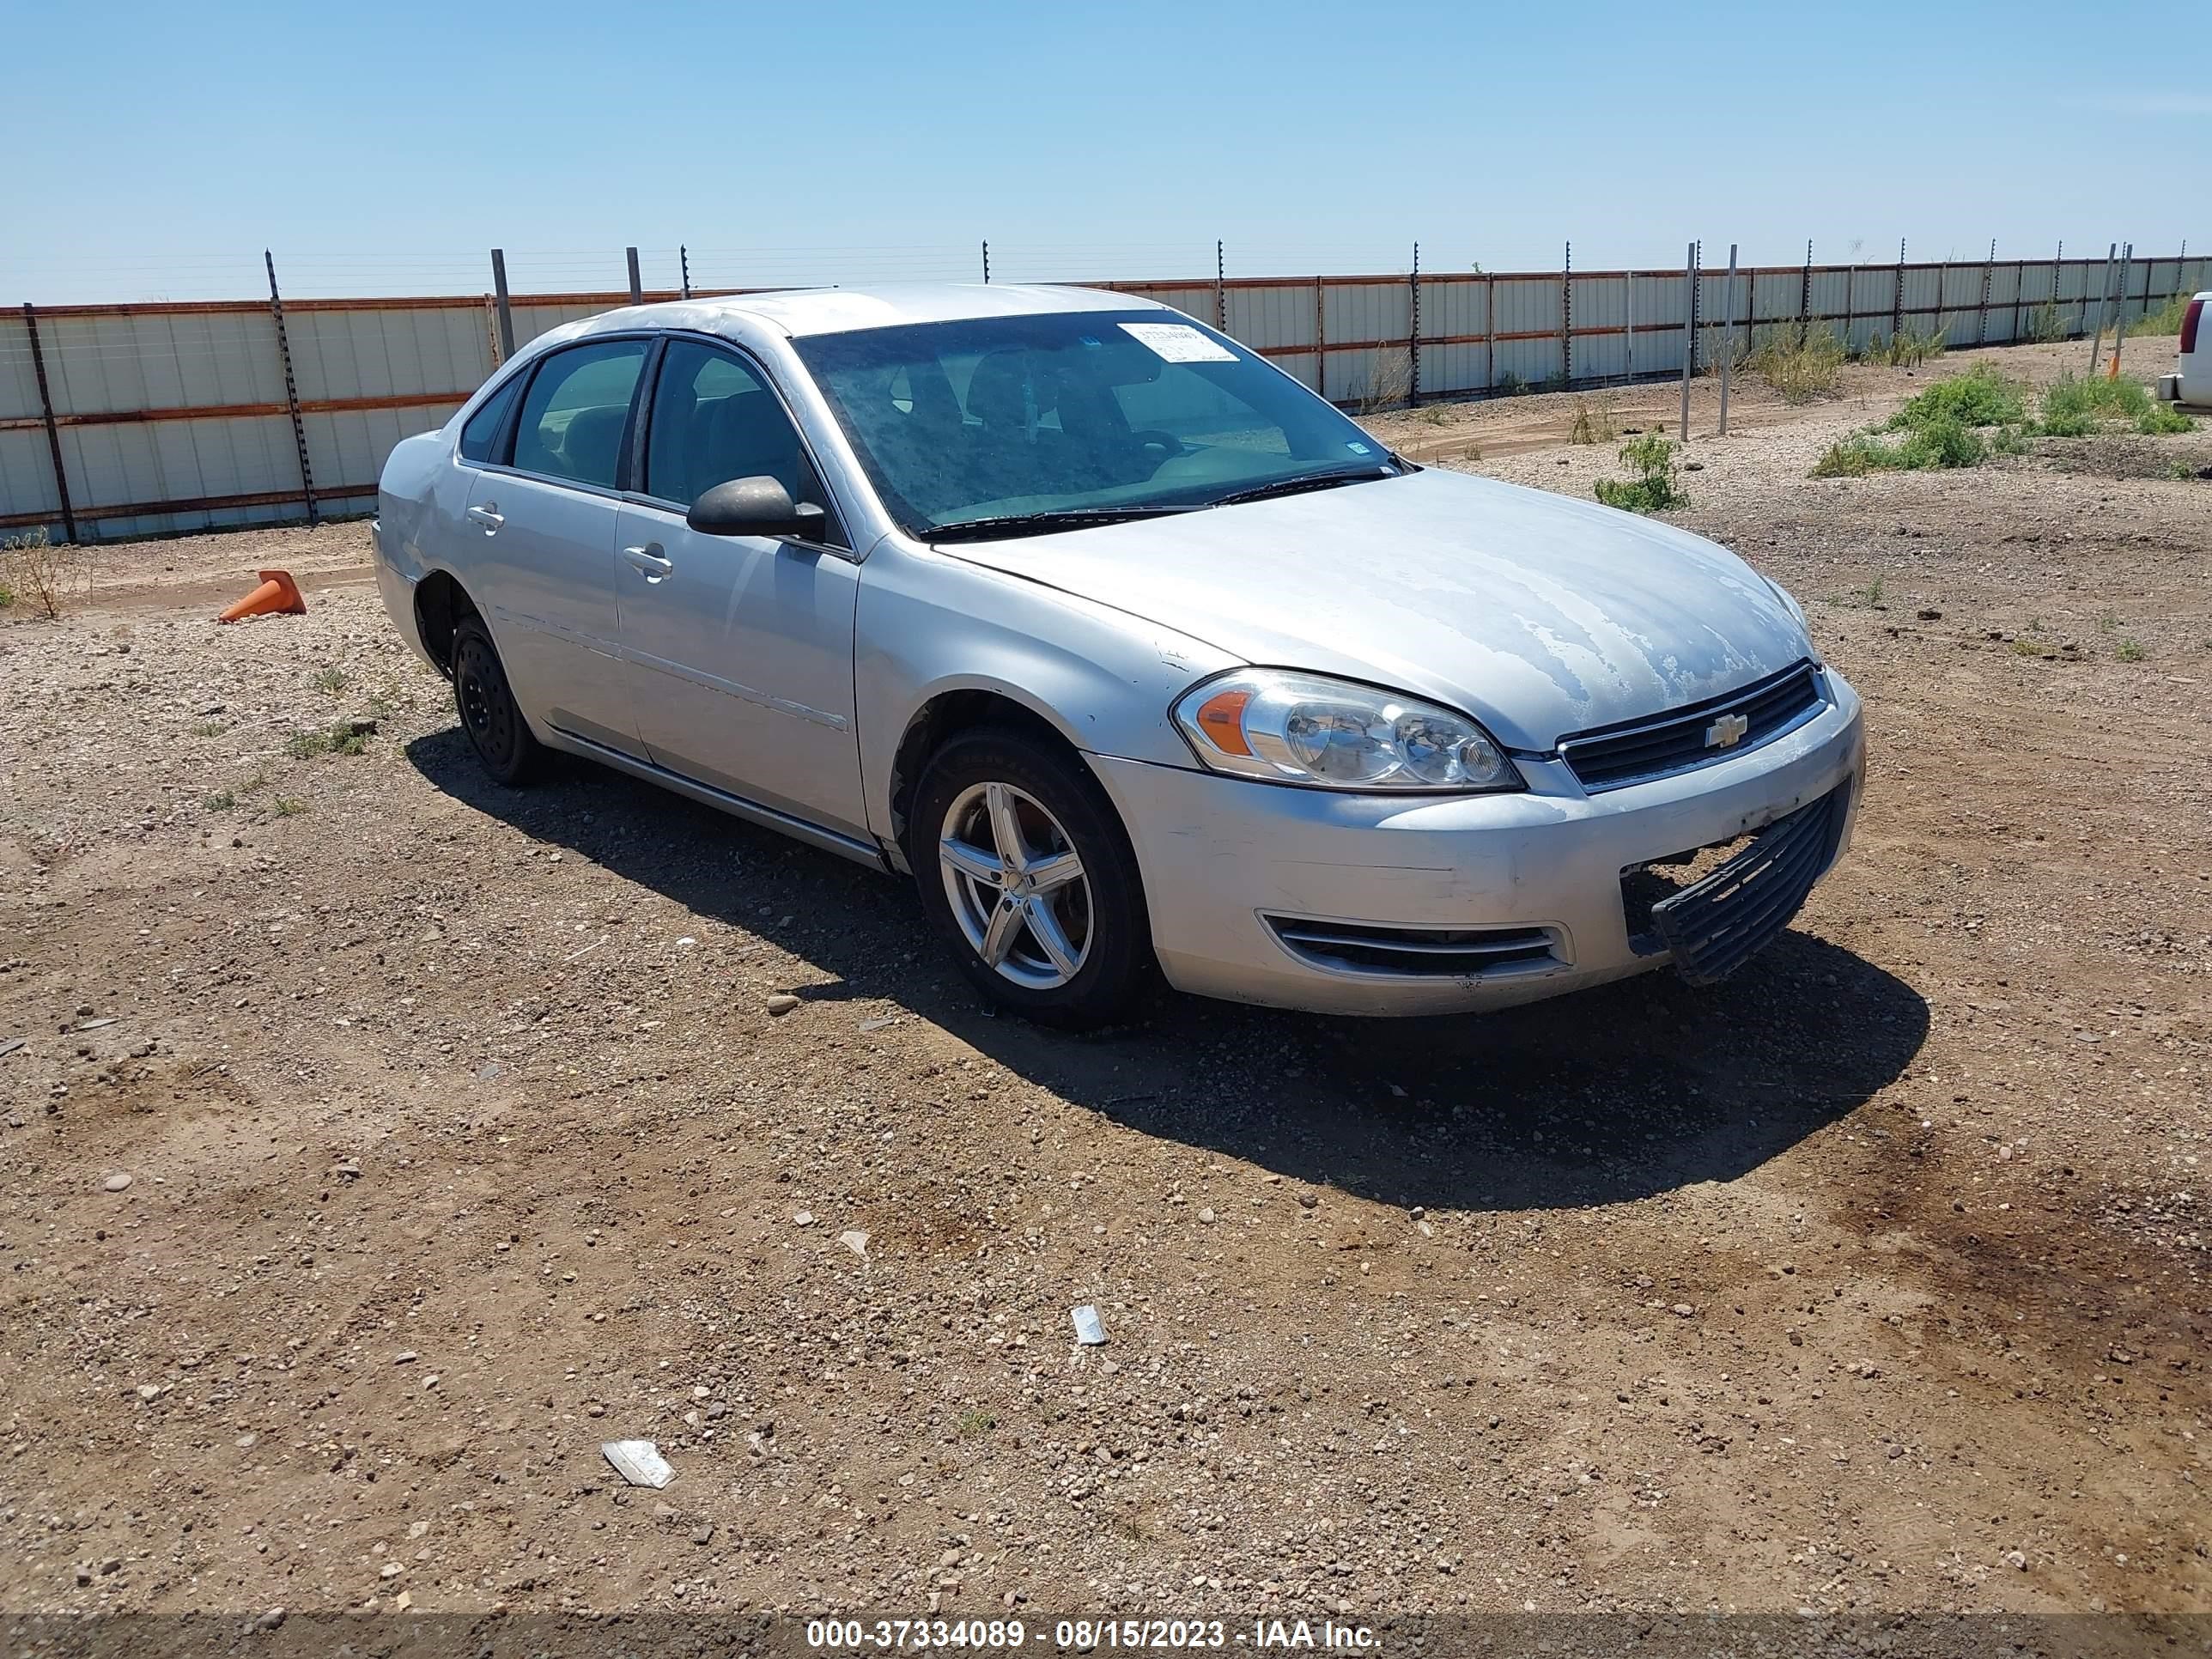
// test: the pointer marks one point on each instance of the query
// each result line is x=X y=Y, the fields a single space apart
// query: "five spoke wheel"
x=1017 y=885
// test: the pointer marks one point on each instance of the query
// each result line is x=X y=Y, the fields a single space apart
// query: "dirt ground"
x=459 y=1141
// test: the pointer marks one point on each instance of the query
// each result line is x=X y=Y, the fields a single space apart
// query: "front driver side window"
x=712 y=420
x=574 y=415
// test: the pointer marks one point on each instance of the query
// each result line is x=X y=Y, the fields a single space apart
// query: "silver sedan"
x=1137 y=656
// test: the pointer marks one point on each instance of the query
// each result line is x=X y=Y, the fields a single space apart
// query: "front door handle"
x=487 y=516
x=649 y=560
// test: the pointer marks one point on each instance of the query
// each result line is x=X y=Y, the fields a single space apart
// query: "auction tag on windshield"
x=1178 y=343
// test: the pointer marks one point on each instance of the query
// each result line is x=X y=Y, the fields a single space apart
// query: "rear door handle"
x=487 y=516
x=649 y=560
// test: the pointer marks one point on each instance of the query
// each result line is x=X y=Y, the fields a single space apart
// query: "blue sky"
x=157 y=148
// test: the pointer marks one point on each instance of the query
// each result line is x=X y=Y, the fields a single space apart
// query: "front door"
x=740 y=649
x=544 y=526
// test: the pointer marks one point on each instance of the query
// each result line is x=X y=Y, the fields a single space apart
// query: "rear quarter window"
x=483 y=429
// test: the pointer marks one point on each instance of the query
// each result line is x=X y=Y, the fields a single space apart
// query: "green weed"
x=339 y=739
x=221 y=801
x=287 y=806
x=2165 y=320
x=1980 y=396
x=331 y=679
x=1940 y=442
x=2045 y=326
x=976 y=1424
x=2073 y=408
x=1799 y=362
x=1657 y=486
x=1907 y=348
x=2128 y=651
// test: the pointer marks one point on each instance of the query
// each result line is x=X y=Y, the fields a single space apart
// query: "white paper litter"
x=1089 y=1330
x=638 y=1461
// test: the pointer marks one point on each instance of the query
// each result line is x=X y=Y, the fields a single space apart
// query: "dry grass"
x=1801 y=362
x=1389 y=382
x=1594 y=422
x=45 y=576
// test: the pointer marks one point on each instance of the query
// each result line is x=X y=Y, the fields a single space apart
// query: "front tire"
x=490 y=714
x=1028 y=876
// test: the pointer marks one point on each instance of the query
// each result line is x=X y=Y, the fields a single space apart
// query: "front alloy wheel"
x=1025 y=869
x=1016 y=885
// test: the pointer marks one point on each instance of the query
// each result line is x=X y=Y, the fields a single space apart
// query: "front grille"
x=1713 y=925
x=1423 y=952
x=1635 y=751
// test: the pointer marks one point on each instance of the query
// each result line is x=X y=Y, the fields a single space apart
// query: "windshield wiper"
x=1303 y=482
x=1040 y=523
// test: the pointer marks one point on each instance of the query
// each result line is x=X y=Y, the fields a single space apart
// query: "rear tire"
x=490 y=714
x=1027 y=875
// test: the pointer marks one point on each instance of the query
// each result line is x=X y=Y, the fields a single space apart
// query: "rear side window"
x=576 y=409
x=483 y=427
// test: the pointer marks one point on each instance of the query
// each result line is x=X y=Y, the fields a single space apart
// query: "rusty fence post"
x=291 y=391
x=1628 y=300
x=505 y=312
x=1321 y=342
x=636 y=286
x=1489 y=331
x=1897 y=299
x=53 y=432
x=1981 y=325
x=1414 y=334
x=1567 y=316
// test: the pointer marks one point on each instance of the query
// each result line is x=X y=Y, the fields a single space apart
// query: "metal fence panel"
x=26 y=474
x=1453 y=308
x=19 y=383
x=127 y=380
x=418 y=350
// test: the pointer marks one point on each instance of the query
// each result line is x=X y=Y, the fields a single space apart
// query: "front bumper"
x=1221 y=855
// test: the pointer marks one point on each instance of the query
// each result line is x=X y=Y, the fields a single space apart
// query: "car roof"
x=803 y=311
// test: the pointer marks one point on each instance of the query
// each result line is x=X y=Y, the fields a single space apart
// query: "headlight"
x=1334 y=734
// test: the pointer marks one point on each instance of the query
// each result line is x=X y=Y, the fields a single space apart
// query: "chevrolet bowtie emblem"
x=1726 y=732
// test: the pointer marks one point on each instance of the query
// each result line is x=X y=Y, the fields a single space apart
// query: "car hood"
x=1538 y=614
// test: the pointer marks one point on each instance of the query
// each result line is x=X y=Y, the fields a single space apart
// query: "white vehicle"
x=2191 y=379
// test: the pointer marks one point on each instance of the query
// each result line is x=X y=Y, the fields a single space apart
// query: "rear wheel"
x=1026 y=873
x=490 y=714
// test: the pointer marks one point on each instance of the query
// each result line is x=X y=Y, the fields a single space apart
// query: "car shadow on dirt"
x=1613 y=1094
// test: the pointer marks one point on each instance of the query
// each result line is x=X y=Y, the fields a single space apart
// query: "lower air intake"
x=1419 y=952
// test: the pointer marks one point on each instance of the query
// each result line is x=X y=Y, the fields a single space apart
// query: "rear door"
x=741 y=648
x=543 y=520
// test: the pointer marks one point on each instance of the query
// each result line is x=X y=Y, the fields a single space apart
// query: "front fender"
x=929 y=624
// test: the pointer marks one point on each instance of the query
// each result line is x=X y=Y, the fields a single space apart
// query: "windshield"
x=1073 y=417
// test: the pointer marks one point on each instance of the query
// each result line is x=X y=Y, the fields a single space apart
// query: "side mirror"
x=754 y=506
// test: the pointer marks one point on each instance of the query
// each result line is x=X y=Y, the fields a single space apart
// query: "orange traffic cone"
x=277 y=596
